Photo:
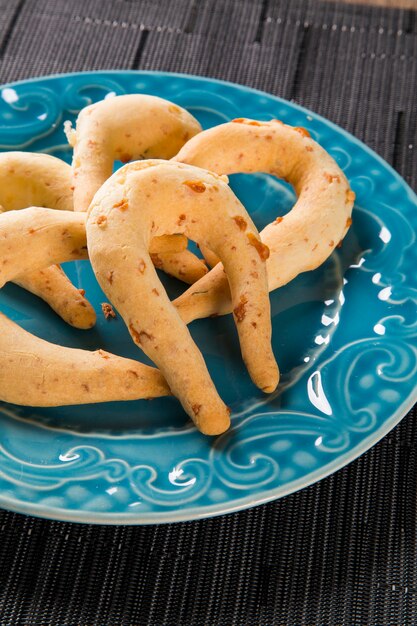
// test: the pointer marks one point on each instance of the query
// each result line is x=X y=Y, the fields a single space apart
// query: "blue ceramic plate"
x=345 y=336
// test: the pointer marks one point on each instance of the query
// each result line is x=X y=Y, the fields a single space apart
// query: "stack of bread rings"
x=173 y=188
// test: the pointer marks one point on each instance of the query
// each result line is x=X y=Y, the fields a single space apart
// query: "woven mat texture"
x=343 y=551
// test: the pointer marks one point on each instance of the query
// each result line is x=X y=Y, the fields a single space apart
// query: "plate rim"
x=252 y=500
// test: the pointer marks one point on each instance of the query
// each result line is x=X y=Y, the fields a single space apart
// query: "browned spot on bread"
x=135 y=333
x=102 y=221
x=254 y=275
x=174 y=109
x=278 y=220
x=108 y=311
x=254 y=324
x=331 y=243
x=196 y=408
x=339 y=245
x=32 y=230
x=348 y=222
x=155 y=291
x=138 y=336
x=125 y=157
x=240 y=222
x=142 y=266
x=91 y=143
x=156 y=260
x=135 y=374
x=240 y=310
x=85 y=387
x=332 y=177
x=261 y=248
x=181 y=218
x=268 y=137
x=82 y=292
x=213 y=314
x=309 y=148
x=350 y=196
x=314 y=247
x=110 y=276
x=245 y=120
x=123 y=205
x=144 y=335
x=195 y=185
x=103 y=354
x=303 y=131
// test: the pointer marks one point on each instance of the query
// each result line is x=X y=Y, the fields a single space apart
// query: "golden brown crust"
x=35 y=372
x=34 y=179
x=306 y=236
x=123 y=128
x=162 y=198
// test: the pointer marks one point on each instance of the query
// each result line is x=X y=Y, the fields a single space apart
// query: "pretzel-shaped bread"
x=125 y=128
x=150 y=198
x=35 y=372
x=34 y=179
x=38 y=373
x=306 y=236
x=34 y=238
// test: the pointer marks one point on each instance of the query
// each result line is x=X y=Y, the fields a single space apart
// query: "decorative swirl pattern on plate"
x=82 y=93
x=80 y=463
x=185 y=482
x=355 y=342
x=27 y=114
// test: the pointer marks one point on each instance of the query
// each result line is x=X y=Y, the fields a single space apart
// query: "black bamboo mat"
x=343 y=551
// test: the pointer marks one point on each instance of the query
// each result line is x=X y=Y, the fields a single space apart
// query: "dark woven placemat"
x=343 y=551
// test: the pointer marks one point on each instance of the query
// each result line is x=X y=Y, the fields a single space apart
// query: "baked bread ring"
x=298 y=242
x=149 y=198
x=34 y=179
x=53 y=285
x=35 y=238
x=34 y=372
x=123 y=128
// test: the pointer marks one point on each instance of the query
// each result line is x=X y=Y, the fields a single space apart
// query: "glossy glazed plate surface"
x=345 y=336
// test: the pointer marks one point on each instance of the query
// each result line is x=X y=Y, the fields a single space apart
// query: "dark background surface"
x=342 y=551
